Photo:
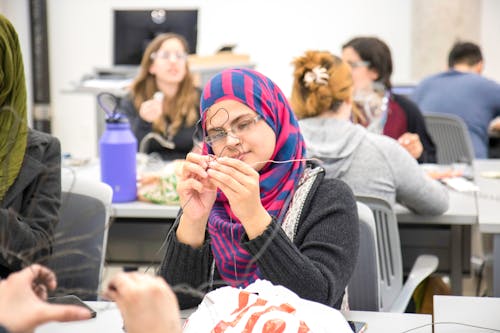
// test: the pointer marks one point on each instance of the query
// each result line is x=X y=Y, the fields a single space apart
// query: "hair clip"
x=318 y=75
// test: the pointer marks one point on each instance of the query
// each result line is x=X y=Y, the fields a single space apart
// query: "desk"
x=477 y=311
x=109 y=320
x=489 y=212
x=457 y=221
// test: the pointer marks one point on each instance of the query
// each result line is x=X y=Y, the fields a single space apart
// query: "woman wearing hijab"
x=371 y=164
x=30 y=175
x=252 y=207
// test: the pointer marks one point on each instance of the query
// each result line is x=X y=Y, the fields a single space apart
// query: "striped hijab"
x=277 y=181
x=13 y=121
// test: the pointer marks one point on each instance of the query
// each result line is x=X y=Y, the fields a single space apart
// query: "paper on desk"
x=461 y=184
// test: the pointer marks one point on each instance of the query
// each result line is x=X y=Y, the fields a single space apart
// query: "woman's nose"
x=232 y=139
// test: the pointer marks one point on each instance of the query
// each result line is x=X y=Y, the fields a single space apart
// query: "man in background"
x=462 y=91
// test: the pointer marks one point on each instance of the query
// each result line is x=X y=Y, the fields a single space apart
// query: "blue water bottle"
x=117 y=149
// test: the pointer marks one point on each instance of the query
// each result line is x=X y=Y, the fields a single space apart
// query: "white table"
x=461 y=214
x=452 y=314
x=109 y=320
x=489 y=211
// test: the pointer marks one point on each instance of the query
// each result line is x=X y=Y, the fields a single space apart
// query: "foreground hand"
x=196 y=192
x=147 y=303
x=151 y=110
x=240 y=183
x=411 y=142
x=22 y=301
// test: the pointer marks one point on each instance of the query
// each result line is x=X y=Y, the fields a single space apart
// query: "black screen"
x=134 y=29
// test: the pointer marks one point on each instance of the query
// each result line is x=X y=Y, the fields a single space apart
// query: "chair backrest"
x=388 y=250
x=451 y=137
x=363 y=288
x=80 y=237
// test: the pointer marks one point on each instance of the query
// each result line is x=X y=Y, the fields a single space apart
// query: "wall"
x=437 y=26
x=80 y=37
x=490 y=42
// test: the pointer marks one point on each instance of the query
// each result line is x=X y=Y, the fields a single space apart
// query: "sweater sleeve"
x=416 y=124
x=186 y=269
x=414 y=189
x=3 y=329
x=318 y=264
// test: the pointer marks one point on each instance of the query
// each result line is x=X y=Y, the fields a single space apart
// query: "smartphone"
x=357 y=326
x=71 y=300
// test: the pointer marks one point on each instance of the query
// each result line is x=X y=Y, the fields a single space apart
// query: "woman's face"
x=169 y=62
x=249 y=138
x=362 y=75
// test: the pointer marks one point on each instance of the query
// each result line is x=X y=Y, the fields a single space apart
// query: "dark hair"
x=377 y=53
x=464 y=53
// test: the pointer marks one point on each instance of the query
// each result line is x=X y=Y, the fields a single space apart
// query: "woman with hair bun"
x=371 y=164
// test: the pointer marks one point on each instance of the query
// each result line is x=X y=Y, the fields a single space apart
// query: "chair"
x=80 y=237
x=451 y=137
x=381 y=288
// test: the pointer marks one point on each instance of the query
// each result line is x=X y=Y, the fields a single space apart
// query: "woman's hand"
x=411 y=142
x=240 y=183
x=147 y=303
x=197 y=195
x=151 y=110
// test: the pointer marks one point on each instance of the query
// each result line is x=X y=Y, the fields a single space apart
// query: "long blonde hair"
x=183 y=108
x=322 y=82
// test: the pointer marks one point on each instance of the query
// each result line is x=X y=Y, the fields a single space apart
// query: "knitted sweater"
x=317 y=264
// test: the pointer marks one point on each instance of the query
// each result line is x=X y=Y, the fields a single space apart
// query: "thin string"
x=452 y=323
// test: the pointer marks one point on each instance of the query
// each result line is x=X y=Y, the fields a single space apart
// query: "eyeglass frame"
x=222 y=131
x=167 y=55
x=359 y=63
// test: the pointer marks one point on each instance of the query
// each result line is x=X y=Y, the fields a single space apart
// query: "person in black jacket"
x=253 y=207
x=384 y=112
x=30 y=175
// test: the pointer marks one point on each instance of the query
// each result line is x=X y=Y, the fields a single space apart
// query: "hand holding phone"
x=71 y=300
x=357 y=326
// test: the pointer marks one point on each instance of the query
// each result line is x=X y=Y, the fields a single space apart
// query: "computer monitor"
x=403 y=89
x=134 y=29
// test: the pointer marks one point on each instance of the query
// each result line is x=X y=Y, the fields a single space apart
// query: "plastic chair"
x=451 y=137
x=80 y=237
x=381 y=288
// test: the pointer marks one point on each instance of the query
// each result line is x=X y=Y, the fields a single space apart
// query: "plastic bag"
x=264 y=308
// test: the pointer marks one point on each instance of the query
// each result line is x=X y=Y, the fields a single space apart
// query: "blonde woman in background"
x=371 y=164
x=163 y=99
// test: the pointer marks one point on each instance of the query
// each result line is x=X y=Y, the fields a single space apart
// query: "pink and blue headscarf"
x=277 y=180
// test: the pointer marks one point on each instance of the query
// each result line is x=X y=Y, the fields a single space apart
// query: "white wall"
x=271 y=32
x=490 y=42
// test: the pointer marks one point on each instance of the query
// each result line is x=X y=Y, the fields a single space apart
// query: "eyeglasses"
x=217 y=136
x=360 y=63
x=170 y=55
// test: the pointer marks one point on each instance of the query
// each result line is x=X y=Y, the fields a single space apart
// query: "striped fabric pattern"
x=277 y=180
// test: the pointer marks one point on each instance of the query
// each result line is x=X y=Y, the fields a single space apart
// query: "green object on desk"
x=161 y=192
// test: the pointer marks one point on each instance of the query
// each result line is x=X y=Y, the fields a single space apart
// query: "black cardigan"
x=416 y=124
x=317 y=265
